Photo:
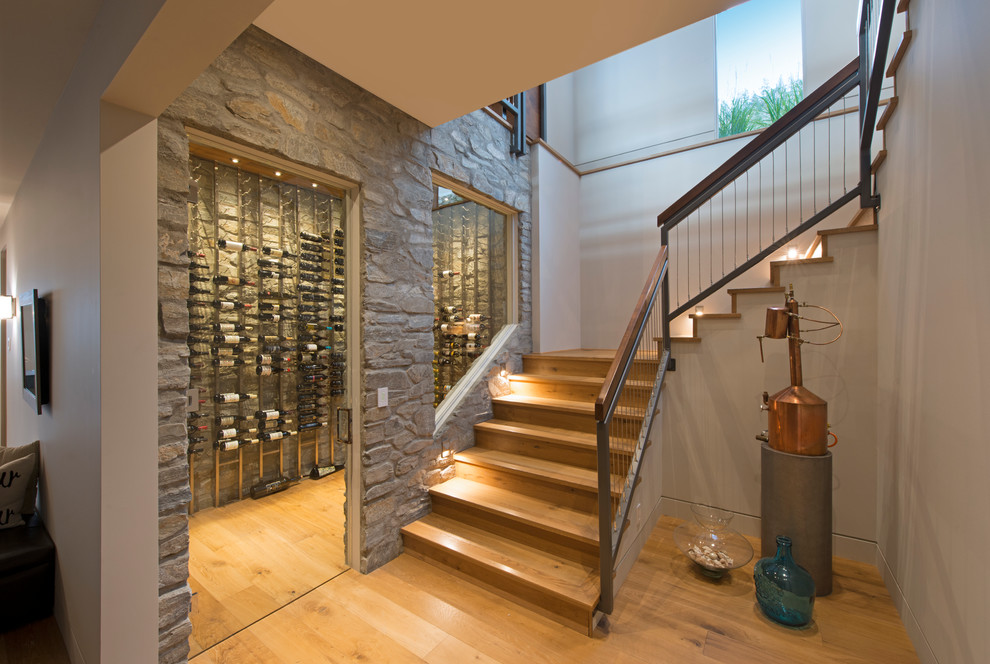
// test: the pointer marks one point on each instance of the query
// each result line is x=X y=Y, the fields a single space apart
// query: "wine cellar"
x=470 y=284
x=267 y=342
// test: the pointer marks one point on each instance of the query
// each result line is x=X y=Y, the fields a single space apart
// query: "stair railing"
x=875 y=22
x=625 y=412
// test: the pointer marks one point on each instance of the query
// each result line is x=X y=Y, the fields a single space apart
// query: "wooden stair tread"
x=543 y=514
x=877 y=161
x=549 y=471
x=696 y=340
x=575 y=354
x=560 y=405
x=556 y=378
x=849 y=229
x=802 y=261
x=555 y=435
x=715 y=316
x=764 y=289
x=888 y=112
x=566 y=580
x=902 y=47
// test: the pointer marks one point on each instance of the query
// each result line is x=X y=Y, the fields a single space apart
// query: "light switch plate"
x=382 y=397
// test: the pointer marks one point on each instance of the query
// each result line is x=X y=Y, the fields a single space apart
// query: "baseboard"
x=853 y=548
x=911 y=624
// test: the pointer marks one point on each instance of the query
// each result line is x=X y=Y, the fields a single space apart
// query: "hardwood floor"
x=36 y=643
x=252 y=557
x=411 y=611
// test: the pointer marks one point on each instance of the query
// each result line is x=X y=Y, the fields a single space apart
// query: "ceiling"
x=436 y=61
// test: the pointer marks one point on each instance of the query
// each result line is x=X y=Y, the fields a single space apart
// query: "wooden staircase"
x=520 y=517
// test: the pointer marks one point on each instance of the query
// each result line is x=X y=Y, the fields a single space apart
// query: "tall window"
x=759 y=64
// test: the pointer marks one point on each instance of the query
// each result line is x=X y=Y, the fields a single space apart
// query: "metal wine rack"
x=469 y=286
x=266 y=314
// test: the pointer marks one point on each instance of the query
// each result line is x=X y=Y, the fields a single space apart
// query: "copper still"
x=797 y=417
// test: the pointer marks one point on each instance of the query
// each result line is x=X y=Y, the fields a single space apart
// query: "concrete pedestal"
x=796 y=501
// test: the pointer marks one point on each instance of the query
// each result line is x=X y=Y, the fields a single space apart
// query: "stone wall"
x=264 y=94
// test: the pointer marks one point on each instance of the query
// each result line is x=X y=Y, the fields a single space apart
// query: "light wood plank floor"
x=36 y=643
x=250 y=558
x=411 y=611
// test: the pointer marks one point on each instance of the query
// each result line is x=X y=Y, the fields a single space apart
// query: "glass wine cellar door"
x=267 y=339
x=470 y=284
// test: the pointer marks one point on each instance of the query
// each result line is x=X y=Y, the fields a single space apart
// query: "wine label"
x=228 y=244
x=226 y=305
x=264 y=359
x=264 y=371
x=275 y=435
x=227 y=327
x=231 y=338
x=472 y=335
x=268 y=414
x=277 y=253
x=229 y=445
x=228 y=397
x=225 y=363
x=310 y=347
x=227 y=433
x=227 y=420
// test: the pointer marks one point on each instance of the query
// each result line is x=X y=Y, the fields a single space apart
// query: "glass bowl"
x=710 y=543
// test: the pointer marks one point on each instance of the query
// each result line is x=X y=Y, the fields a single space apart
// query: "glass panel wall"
x=470 y=284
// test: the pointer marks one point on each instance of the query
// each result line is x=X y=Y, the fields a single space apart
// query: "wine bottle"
x=228 y=420
x=314 y=378
x=270 y=306
x=338 y=242
x=232 y=397
x=271 y=369
x=226 y=351
x=312 y=425
x=197 y=439
x=276 y=295
x=262 y=489
x=312 y=308
x=337 y=392
x=338 y=233
x=338 y=252
x=310 y=267
x=308 y=288
x=277 y=424
x=195 y=449
x=337 y=282
x=195 y=254
x=227 y=445
x=337 y=290
x=269 y=263
x=306 y=246
x=338 y=261
x=227 y=362
x=235 y=246
x=273 y=274
x=271 y=414
x=275 y=435
x=310 y=237
x=196 y=265
x=231 y=339
x=448 y=273
x=277 y=253
x=194 y=278
x=451 y=309
x=315 y=297
x=190 y=428
x=319 y=472
x=338 y=270
x=312 y=348
x=232 y=281
x=233 y=432
x=227 y=305
x=275 y=317
x=193 y=339
x=312 y=258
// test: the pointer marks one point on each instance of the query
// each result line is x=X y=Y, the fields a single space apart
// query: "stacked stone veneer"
x=262 y=93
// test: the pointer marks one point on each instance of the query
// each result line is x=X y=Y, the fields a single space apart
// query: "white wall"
x=556 y=254
x=934 y=316
x=53 y=237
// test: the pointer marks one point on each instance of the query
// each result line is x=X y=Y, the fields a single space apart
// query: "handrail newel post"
x=605 y=516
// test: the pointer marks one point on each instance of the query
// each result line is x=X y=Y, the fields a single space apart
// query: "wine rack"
x=267 y=337
x=470 y=285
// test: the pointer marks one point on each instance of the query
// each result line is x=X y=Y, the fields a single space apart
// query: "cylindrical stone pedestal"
x=796 y=501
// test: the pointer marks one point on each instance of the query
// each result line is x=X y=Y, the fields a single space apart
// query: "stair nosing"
x=484 y=460
x=542 y=433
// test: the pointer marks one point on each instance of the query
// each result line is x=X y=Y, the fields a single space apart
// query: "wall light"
x=699 y=310
x=235 y=160
x=792 y=253
x=7 y=307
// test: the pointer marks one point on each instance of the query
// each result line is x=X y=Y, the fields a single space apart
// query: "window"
x=470 y=283
x=759 y=64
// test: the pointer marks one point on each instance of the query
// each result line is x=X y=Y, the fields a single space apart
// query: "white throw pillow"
x=14 y=478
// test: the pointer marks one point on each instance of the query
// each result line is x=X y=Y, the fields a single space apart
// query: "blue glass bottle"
x=784 y=589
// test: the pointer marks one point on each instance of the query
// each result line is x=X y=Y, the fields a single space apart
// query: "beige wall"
x=713 y=398
x=934 y=314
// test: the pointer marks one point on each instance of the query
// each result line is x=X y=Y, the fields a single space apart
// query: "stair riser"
x=546 y=416
x=585 y=457
x=496 y=580
x=559 y=544
x=567 y=366
x=537 y=487
x=556 y=390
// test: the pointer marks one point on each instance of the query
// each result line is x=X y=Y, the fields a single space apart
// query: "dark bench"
x=27 y=574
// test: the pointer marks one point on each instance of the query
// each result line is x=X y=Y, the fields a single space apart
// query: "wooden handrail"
x=777 y=132
x=610 y=388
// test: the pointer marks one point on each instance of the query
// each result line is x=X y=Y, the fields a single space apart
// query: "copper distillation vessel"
x=797 y=417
